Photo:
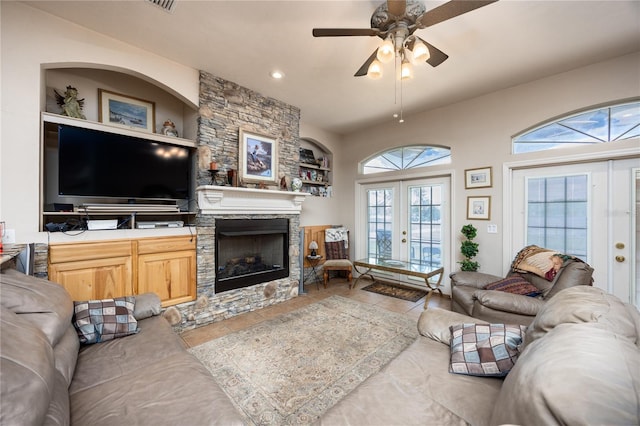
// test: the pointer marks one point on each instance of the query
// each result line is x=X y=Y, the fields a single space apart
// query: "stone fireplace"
x=235 y=227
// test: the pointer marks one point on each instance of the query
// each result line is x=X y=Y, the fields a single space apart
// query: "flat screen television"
x=92 y=163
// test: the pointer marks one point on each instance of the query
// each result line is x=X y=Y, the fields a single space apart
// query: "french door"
x=407 y=220
x=588 y=210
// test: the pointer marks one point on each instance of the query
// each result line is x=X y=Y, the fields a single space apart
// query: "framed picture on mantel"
x=258 y=157
x=126 y=111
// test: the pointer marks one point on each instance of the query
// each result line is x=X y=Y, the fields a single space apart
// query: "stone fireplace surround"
x=225 y=202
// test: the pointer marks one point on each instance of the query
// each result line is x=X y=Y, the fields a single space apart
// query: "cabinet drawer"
x=59 y=253
x=166 y=244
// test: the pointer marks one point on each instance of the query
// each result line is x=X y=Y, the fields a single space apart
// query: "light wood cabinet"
x=99 y=270
x=168 y=268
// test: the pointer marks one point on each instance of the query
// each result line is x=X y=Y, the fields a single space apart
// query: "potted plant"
x=469 y=249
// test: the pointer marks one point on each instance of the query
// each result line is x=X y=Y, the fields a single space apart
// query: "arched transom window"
x=407 y=157
x=606 y=124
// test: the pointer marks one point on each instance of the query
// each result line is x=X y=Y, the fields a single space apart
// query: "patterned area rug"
x=291 y=369
x=398 y=291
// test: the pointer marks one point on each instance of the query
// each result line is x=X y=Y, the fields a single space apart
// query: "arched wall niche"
x=88 y=78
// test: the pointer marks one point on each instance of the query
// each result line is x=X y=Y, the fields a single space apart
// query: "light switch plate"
x=492 y=228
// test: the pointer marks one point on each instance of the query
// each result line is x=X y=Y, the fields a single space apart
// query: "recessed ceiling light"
x=277 y=75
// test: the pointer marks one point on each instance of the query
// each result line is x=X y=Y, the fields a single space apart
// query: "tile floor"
x=337 y=286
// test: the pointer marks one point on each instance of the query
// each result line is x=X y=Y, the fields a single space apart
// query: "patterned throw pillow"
x=484 y=349
x=514 y=284
x=101 y=320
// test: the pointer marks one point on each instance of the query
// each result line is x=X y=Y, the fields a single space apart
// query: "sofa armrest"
x=147 y=305
x=473 y=279
x=508 y=302
x=434 y=323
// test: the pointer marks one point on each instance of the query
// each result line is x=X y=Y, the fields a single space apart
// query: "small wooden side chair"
x=336 y=245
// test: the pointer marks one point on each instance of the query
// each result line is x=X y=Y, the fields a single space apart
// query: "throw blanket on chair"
x=337 y=234
x=538 y=260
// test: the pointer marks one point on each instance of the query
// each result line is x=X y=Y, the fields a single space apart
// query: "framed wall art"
x=126 y=111
x=479 y=208
x=258 y=157
x=478 y=178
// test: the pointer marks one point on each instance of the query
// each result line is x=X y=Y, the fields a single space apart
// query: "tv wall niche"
x=86 y=162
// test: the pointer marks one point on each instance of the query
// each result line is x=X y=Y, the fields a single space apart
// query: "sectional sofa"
x=143 y=378
x=578 y=364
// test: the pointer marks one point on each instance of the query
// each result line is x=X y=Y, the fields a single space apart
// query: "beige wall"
x=31 y=42
x=479 y=133
x=478 y=130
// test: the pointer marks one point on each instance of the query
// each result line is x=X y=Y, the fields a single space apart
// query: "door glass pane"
x=425 y=224
x=380 y=222
x=557 y=213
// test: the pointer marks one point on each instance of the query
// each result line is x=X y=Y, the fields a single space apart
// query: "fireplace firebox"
x=250 y=251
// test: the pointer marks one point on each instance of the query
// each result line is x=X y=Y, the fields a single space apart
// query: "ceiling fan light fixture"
x=374 y=72
x=406 y=70
x=386 y=52
x=420 y=51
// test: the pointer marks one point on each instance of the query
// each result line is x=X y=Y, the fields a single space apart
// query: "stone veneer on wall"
x=225 y=108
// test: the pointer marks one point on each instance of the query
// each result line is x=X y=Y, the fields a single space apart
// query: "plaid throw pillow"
x=514 y=284
x=484 y=349
x=101 y=320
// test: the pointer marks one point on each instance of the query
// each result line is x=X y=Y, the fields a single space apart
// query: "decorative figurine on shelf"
x=71 y=105
x=296 y=184
x=169 y=128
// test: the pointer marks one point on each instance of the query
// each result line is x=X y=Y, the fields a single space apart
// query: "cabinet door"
x=94 y=279
x=171 y=275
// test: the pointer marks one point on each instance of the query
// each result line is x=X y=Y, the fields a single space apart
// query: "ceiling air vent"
x=167 y=5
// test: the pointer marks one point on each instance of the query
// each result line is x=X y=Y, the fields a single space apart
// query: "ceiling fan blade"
x=450 y=10
x=342 y=32
x=365 y=67
x=436 y=56
x=397 y=7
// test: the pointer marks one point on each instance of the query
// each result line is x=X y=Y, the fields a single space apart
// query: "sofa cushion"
x=484 y=349
x=416 y=388
x=577 y=374
x=177 y=390
x=585 y=304
x=28 y=373
x=66 y=354
x=101 y=320
x=435 y=323
x=147 y=305
x=155 y=341
x=44 y=303
x=515 y=284
x=574 y=272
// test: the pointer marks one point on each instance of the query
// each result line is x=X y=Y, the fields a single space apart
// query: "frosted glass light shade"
x=386 y=52
x=406 y=71
x=374 y=71
x=420 y=51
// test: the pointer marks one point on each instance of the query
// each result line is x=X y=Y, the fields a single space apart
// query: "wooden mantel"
x=213 y=199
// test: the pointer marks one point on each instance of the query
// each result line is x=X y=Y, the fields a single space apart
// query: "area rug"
x=397 y=291
x=292 y=368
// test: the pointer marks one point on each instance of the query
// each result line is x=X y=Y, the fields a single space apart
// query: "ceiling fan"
x=395 y=22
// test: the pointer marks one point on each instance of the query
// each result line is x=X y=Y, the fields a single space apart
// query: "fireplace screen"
x=250 y=251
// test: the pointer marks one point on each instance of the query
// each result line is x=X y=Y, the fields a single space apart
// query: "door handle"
x=620 y=259
x=404 y=240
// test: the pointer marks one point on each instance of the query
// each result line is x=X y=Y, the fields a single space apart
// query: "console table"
x=416 y=269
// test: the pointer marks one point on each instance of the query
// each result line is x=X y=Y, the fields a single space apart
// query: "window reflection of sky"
x=597 y=126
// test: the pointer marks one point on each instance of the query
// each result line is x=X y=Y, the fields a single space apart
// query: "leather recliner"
x=469 y=297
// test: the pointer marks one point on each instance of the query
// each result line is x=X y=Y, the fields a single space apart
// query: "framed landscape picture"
x=126 y=111
x=479 y=208
x=478 y=178
x=258 y=157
